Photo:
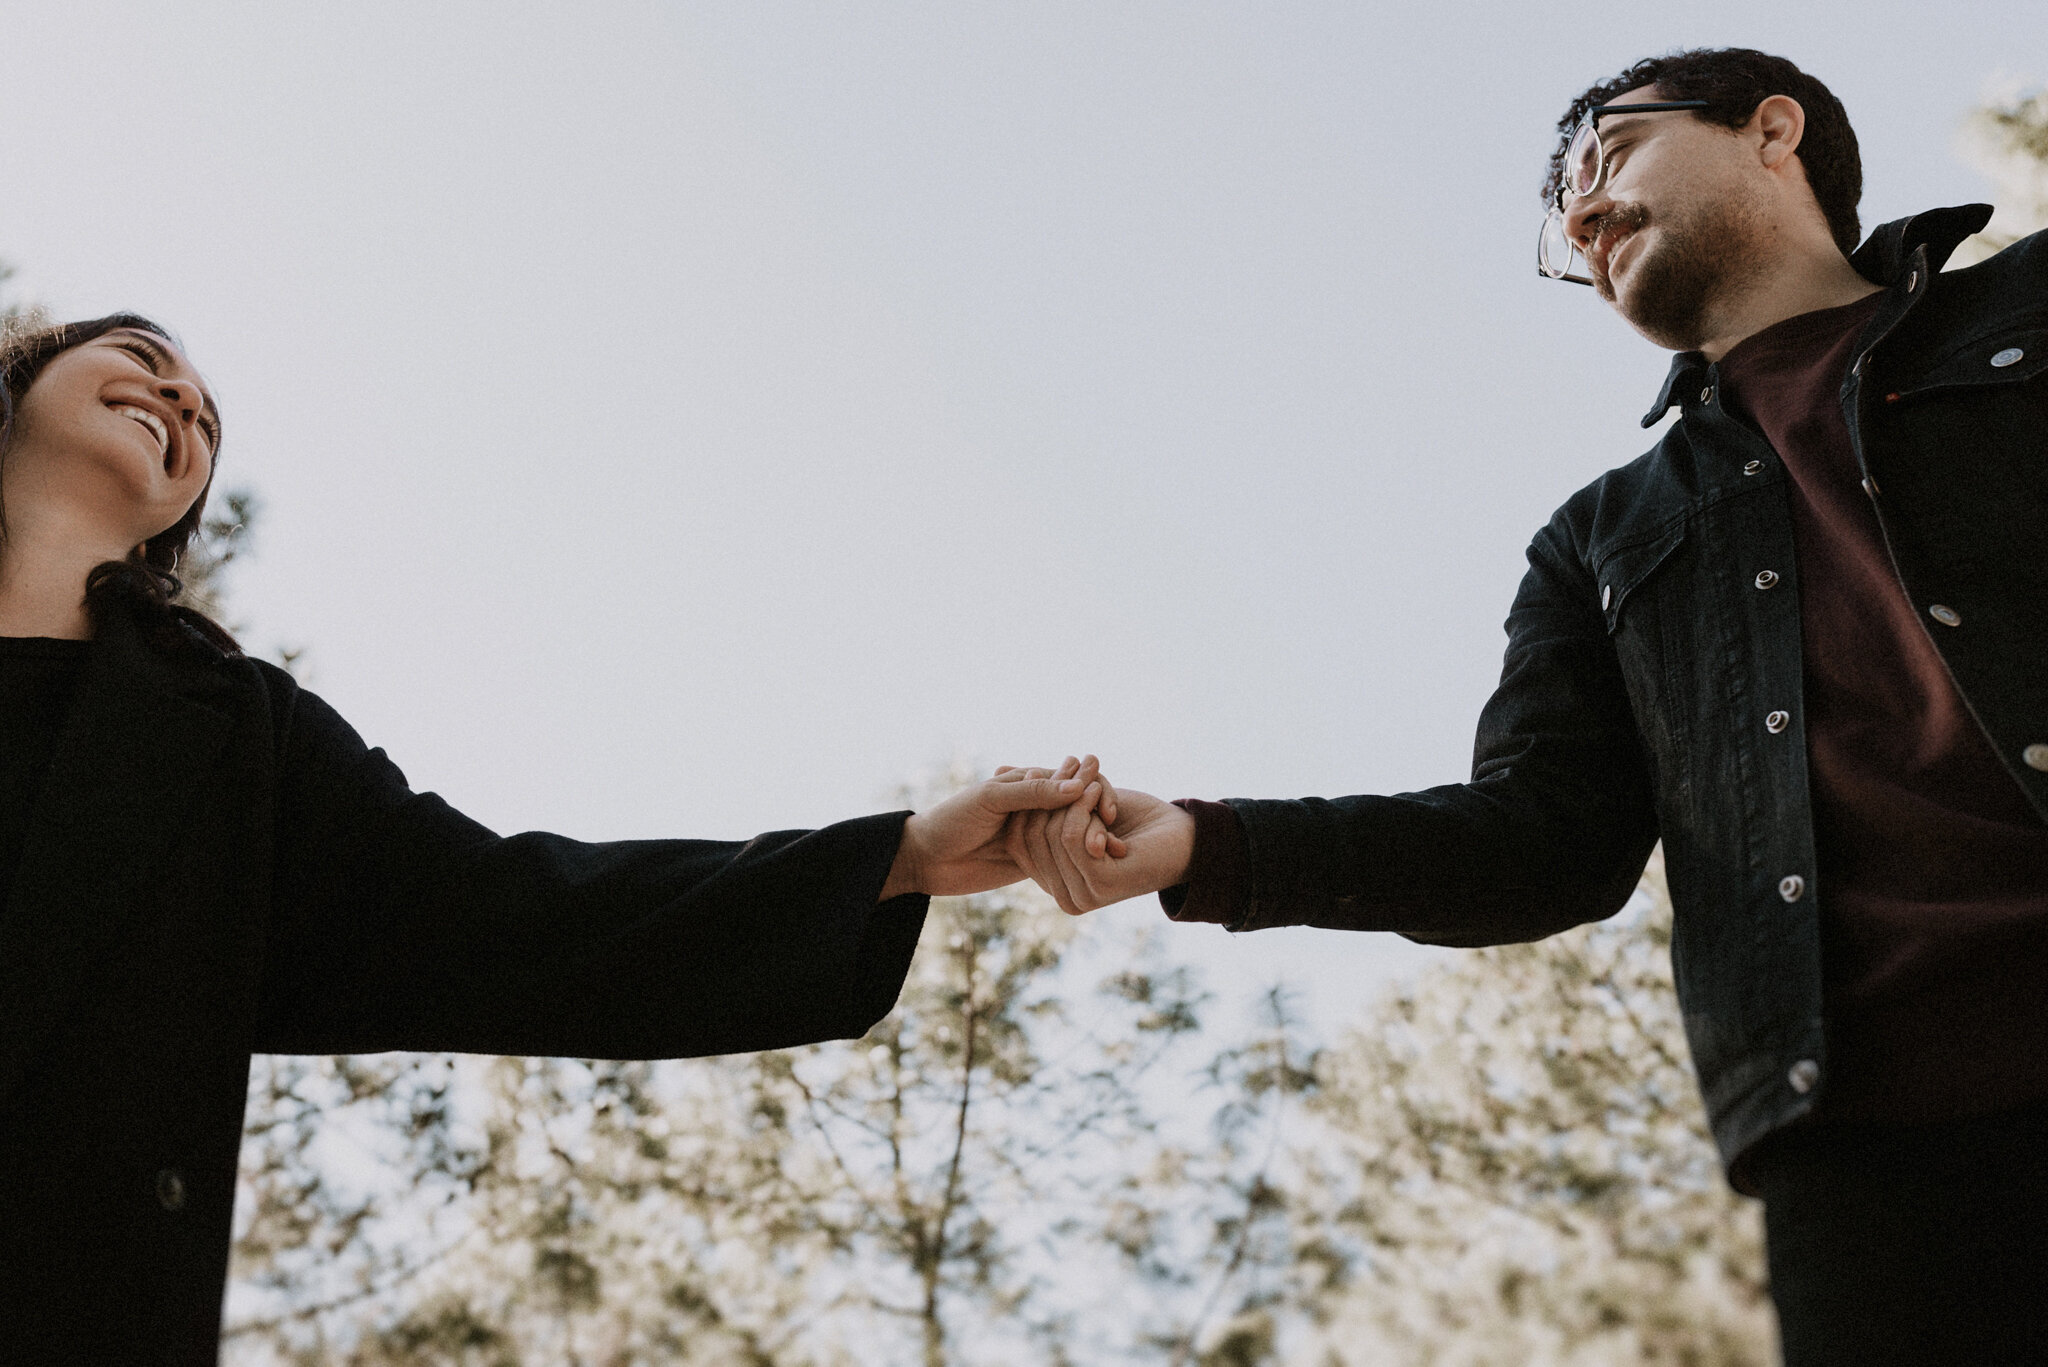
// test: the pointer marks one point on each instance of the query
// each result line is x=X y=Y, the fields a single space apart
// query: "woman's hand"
x=959 y=847
x=1147 y=846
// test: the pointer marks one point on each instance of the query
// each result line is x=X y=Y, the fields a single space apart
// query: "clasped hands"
x=1067 y=829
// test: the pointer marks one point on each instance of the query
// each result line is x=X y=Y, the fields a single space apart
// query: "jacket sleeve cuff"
x=893 y=929
x=1219 y=872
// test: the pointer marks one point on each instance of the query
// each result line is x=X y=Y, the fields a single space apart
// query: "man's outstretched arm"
x=1552 y=830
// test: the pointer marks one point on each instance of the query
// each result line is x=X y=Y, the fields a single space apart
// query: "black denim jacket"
x=1659 y=624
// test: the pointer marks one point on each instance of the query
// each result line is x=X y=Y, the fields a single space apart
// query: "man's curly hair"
x=1734 y=81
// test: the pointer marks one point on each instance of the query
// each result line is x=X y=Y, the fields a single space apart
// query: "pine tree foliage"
x=1515 y=1166
x=224 y=536
x=1210 y=1226
x=2007 y=139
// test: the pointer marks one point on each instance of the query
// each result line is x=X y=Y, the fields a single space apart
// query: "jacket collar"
x=1688 y=368
x=1887 y=252
x=137 y=747
x=1925 y=239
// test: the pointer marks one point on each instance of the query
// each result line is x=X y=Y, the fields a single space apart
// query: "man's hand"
x=959 y=846
x=1146 y=846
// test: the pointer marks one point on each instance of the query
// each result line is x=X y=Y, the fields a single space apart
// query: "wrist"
x=1215 y=886
x=1187 y=837
x=906 y=872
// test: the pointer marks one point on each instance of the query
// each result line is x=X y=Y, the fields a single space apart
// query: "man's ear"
x=1777 y=126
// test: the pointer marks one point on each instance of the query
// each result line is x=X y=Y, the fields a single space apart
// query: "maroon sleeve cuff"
x=1219 y=872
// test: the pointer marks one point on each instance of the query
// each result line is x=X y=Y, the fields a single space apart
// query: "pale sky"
x=695 y=419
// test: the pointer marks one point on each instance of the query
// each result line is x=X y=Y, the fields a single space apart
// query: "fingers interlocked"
x=1063 y=849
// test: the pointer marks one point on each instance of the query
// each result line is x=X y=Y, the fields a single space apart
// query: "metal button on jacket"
x=1945 y=615
x=2008 y=356
x=1777 y=722
x=1707 y=394
x=1802 y=1075
x=2036 y=756
x=1791 y=887
x=170 y=1189
x=1753 y=467
x=1767 y=579
x=1606 y=597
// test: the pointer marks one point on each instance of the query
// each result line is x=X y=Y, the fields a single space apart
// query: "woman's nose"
x=184 y=397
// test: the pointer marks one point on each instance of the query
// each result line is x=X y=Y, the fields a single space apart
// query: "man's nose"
x=1579 y=217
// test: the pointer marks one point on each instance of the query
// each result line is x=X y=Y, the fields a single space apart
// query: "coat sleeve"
x=398 y=923
x=1553 y=830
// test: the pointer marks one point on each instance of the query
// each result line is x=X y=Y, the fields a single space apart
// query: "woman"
x=200 y=860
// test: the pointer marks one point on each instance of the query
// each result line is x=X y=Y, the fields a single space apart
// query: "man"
x=1802 y=642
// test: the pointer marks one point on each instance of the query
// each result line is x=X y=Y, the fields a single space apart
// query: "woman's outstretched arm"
x=399 y=923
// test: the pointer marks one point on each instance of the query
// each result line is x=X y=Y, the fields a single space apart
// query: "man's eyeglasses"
x=1584 y=171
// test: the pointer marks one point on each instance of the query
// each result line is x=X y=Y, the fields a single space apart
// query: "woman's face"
x=116 y=434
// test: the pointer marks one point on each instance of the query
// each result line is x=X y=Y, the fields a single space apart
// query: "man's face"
x=1679 y=222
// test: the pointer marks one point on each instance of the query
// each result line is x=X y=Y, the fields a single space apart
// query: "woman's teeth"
x=151 y=421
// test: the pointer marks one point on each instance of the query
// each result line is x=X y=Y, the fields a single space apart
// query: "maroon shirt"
x=1933 y=868
x=1933 y=872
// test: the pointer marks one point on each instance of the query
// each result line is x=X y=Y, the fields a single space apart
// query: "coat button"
x=170 y=1189
x=1912 y=281
x=2008 y=356
x=1802 y=1075
x=1707 y=394
x=1606 y=597
x=1870 y=488
x=1767 y=579
x=2036 y=756
x=1753 y=467
x=1946 y=615
x=1777 y=722
x=1791 y=887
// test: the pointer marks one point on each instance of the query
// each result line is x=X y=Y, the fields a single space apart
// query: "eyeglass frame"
x=1590 y=124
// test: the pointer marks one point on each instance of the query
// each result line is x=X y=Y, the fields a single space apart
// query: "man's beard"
x=1694 y=262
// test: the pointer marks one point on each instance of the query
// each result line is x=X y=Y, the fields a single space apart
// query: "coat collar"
x=143 y=732
x=1925 y=239
x=1887 y=252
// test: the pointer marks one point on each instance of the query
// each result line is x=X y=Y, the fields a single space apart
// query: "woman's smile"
x=157 y=428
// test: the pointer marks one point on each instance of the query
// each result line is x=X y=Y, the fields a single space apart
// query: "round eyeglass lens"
x=1582 y=160
x=1553 y=248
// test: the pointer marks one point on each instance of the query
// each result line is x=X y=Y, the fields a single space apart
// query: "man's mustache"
x=1621 y=219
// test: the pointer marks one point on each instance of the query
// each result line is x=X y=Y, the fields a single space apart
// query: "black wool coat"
x=218 y=866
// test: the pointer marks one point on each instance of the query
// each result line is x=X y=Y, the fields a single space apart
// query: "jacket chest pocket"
x=2003 y=361
x=1626 y=577
x=1969 y=434
x=1650 y=621
x=1988 y=399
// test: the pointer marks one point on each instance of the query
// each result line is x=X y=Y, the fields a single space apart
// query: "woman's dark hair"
x=1735 y=80
x=146 y=585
